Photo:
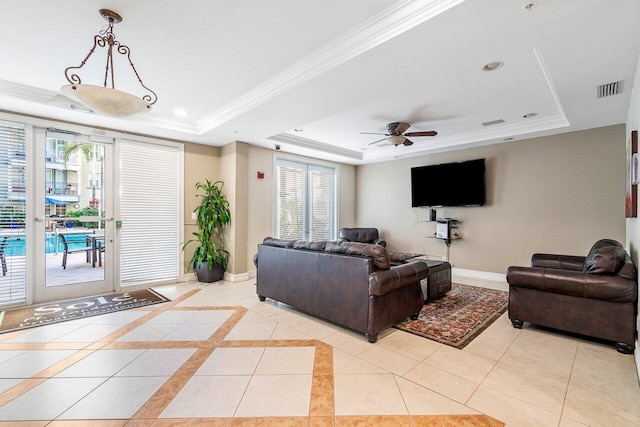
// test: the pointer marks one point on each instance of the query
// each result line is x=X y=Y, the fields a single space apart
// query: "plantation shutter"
x=149 y=209
x=322 y=203
x=291 y=185
x=12 y=212
x=305 y=201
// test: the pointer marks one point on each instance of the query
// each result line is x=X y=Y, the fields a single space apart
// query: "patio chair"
x=3 y=257
x=67 y=251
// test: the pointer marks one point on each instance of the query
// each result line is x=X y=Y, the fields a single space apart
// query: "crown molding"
x=297 y=141
x=28 y=93
x=495 y=134
x=389 y=23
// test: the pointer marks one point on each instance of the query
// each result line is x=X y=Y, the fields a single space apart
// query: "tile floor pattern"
x=216 y=356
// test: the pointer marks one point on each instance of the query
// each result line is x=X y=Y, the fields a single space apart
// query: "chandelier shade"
x=107 y=100
x=104 y=100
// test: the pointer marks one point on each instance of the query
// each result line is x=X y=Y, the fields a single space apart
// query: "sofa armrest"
x=561 y=262
x=604 y=287
x=382 y=282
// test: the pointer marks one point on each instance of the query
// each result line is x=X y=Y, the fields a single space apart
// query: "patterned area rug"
x=459 y=316
x=60 y=311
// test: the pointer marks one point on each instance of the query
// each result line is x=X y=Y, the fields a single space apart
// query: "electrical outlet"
x=193 y=215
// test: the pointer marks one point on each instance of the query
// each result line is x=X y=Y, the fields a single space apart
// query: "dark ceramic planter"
x=206 y=275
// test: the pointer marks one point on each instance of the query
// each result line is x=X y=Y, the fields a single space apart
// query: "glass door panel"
x=78 y=230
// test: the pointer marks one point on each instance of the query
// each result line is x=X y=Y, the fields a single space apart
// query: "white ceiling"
x=255 y=71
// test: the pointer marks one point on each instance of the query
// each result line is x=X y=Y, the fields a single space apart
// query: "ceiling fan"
x=396 y=134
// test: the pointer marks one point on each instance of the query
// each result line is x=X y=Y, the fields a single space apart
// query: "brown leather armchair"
x=594 y=295
x=362 y=235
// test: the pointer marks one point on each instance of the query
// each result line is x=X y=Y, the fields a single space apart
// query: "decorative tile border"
x=322 y=405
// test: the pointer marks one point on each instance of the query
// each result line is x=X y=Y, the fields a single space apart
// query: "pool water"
x=16 y=245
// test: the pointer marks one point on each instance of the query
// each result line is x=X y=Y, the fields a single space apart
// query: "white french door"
x=73 y=226
x=84 y=215
x=306 y=201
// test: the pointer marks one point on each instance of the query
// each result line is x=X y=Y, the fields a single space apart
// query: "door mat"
x=60 y=311
x=459 y=316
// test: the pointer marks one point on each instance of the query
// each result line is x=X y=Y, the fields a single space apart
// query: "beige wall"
x=261 y=200
x=553 y=194
x=251 y=199
x=233 y=171
x=262 y=194
x=633 y=225
x=200 y=162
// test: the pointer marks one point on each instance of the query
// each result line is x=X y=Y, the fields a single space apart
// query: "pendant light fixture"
x=106 y=99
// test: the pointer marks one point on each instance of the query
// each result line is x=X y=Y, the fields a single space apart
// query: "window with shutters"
x=306 y=201
x=12 y=212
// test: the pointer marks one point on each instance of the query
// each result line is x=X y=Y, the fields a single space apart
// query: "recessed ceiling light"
x=298 y=129
x=492 y=66
x=180 y=112
x=529 y=115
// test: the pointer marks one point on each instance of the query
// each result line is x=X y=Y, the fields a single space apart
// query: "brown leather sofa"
x=594 y=295
x=362 y=235
x=351 y=284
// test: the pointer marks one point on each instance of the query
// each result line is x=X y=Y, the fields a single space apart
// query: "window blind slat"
x=12 y=212
x=149 y=246
x=305 y=201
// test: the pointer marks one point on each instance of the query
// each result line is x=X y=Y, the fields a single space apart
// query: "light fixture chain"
x=106 y=70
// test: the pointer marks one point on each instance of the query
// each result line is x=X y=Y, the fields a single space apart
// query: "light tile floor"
x=217 y=356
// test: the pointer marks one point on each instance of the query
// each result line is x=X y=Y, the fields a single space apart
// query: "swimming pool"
x=16 y=245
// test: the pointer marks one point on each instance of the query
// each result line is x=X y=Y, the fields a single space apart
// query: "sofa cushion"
x=376 y=252
x=605 y=260
x=279 y=243
x=362 y=235
x=310 y=245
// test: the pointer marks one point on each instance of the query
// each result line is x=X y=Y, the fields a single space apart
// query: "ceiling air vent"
x=493 y=122
x=609 y=89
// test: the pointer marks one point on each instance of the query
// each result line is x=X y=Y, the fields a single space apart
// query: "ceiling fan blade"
x=375 y=142
x=426 y=133
x=374 y=133
x=407 y=142
x=402 y=127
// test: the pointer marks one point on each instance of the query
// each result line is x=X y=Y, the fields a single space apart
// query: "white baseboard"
x=253 y=274
x=188 y=277
x=485 y=275
x=236 y=277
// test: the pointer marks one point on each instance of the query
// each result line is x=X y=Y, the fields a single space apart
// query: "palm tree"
x=86 y=149
x=72 y=147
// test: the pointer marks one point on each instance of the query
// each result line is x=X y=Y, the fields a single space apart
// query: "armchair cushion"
x=605 y=260
x=362 y=235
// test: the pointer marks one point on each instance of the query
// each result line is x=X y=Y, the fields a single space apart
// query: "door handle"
x=89 y=218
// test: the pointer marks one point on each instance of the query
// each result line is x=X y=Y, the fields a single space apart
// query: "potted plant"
x=210 y=259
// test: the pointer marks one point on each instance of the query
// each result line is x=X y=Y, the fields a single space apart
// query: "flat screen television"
x=449 y=184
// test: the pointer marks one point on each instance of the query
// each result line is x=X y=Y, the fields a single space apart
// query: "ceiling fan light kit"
x=105 y=99
x=397 y=134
